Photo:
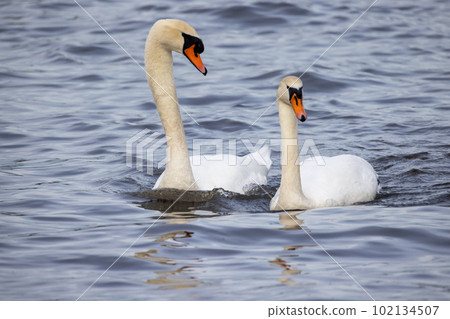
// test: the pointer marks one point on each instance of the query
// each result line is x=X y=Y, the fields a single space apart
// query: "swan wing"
x=232 y=173
x=339 y=180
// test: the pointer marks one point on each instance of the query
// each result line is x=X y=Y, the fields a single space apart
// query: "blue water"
x=71 y=98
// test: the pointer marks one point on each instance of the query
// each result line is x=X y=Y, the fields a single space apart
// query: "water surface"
x=71 y=98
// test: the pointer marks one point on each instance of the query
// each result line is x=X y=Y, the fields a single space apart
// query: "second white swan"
x=338 y=181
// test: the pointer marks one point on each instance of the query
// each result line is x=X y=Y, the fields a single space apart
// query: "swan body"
x=334 y=181
x=233 y=173
x=183 y=172
x=316 y=182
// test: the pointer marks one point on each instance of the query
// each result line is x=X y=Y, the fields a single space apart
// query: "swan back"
x=233 y=173
x=338 y=181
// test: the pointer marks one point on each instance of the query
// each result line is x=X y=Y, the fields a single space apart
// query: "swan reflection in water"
x=185 y=275
x=165 y=279
x=286 y=260
x=290 y=221
x=179 y=278
x=176 y=211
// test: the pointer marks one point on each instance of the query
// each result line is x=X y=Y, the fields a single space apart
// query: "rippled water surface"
x=71 y=98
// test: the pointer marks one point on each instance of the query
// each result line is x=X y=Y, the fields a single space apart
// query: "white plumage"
x=229 y=172
x=317 y=182
x=336 y=181
x=233 y=173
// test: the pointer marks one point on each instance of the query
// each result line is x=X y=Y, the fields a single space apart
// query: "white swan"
x=229 y=172
x=339 y=181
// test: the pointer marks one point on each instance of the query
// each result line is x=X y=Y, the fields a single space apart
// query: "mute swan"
x=229 y=172
x=342 y=180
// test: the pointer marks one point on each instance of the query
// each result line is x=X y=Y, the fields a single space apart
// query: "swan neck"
x=159 y=69
x=291 y=186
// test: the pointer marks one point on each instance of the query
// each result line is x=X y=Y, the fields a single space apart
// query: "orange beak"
x=195 y=59
x=297 y=104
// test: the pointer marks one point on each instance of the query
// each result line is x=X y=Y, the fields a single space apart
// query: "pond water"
x=72 y=98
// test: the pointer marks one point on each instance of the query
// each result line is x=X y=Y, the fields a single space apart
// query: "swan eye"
x=190 y=40
x=199 y=48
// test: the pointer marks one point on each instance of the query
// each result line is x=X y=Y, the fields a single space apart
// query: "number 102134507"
x=405 y=310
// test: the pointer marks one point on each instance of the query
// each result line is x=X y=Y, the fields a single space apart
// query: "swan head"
x=290 y=91
x=179 y=36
